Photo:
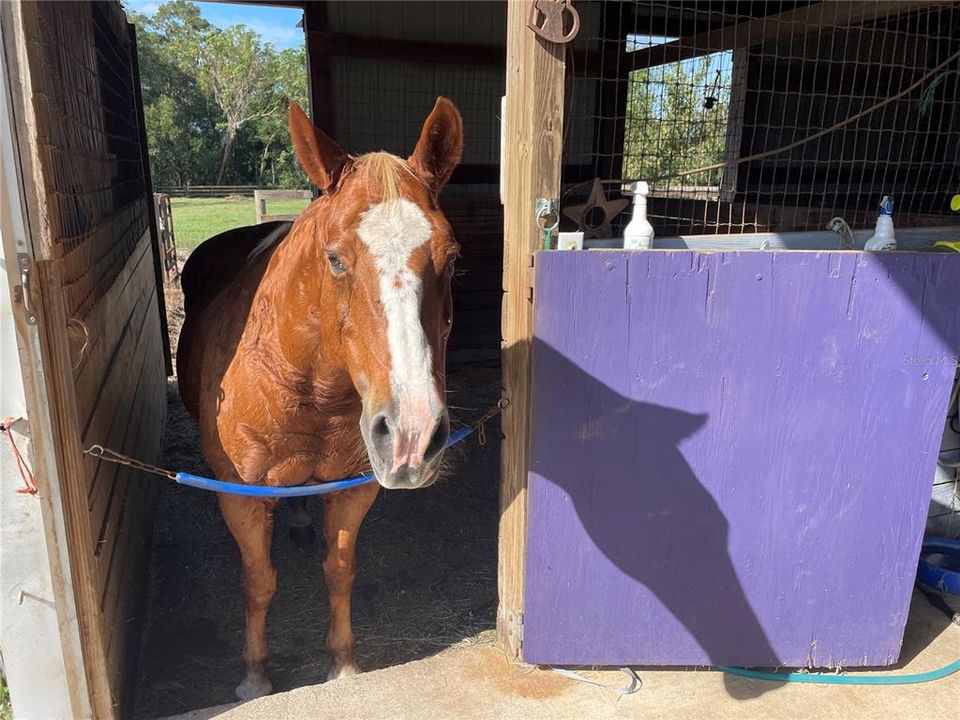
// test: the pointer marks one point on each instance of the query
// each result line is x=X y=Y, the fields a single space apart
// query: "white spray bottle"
x=638 y=234
x=883 y=237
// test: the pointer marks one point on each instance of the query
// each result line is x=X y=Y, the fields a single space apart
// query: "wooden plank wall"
x=101 y=315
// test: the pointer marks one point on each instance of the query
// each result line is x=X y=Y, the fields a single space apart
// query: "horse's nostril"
x=380 y=437
x=380 y=428
x=438 y=440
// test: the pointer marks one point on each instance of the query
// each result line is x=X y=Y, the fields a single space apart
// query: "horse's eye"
x=336 y=264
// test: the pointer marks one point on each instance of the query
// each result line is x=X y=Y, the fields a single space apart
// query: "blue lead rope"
x=287 y=491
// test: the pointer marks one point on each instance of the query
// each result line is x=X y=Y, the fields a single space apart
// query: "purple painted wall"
x=732 y=453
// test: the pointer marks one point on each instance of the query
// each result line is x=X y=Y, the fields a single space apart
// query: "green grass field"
x=196 y=219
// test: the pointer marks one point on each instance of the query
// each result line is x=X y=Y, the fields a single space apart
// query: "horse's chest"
x=285 y=433
x=292 y=445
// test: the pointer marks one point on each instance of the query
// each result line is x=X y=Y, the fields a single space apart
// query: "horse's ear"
x=320 y=157
x=440 y=146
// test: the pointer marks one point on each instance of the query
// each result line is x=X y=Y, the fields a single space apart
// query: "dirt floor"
x=427 y=564
x=477 y=683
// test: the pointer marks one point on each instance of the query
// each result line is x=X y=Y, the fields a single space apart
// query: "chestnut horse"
x=320 y=353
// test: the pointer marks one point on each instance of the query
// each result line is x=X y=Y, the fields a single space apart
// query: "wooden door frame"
x=533 y=130
x=21 y=210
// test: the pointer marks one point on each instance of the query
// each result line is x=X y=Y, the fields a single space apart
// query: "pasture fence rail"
x=209 y=191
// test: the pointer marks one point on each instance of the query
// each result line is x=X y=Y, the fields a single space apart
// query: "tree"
x=180 y=121
x=233 y=67
x=215 y=100
x=277 y=164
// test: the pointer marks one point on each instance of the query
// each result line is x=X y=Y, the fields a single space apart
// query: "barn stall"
x=729 y=424
x=649 y=381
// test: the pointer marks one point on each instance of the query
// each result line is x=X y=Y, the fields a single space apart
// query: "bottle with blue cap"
x=883 y=237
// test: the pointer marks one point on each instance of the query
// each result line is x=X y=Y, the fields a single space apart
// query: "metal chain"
x=99 y=451
x=481 y=424
x=112 y=456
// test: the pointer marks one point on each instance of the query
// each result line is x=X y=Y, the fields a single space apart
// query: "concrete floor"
x=475 y=681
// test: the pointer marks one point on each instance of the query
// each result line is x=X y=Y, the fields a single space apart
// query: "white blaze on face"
x=392 y=231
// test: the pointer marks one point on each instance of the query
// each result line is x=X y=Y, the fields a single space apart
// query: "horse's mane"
x=383 y=171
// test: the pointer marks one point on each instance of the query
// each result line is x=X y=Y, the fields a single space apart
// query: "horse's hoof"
x=253 y=687
x=343 y=671
x=304 y=536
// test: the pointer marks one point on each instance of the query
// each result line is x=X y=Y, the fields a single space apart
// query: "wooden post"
x=534 y=137
x=260 y=205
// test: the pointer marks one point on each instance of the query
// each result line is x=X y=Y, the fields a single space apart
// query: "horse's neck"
x=285 y=325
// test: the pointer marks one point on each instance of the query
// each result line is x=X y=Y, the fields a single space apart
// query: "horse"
x=316 y=351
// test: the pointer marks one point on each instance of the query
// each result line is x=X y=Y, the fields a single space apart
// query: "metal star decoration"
x=597 y=201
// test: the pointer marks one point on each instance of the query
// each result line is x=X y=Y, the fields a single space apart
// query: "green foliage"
x=215 y=101
x=669 y=129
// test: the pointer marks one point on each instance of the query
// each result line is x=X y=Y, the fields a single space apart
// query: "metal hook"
x=544 y=208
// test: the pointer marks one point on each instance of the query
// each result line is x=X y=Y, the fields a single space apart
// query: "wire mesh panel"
x=391 y=60
x=753 y=116
x=377 y=70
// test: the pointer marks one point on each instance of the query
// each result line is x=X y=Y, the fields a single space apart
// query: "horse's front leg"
x=342 y=514
x=251 y=523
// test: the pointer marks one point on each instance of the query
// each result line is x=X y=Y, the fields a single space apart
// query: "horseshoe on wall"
x=546 y=19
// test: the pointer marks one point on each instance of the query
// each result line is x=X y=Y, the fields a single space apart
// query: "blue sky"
x=276 y=25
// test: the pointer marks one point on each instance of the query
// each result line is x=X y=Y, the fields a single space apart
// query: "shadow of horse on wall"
x=656 y=524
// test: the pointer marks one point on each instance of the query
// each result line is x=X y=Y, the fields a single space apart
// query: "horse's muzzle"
x=406 y=455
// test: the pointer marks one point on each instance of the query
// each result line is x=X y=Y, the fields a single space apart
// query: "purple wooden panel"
x=732 y=453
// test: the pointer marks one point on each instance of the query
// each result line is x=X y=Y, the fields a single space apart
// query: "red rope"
x=29 y=482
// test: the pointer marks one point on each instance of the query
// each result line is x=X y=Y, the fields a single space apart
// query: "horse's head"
x=386 y=255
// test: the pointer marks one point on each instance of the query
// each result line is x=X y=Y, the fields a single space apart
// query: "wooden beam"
x=384 y=48
x=490 y=174
x=759 y=30
x=534 y=129
x=266 y=3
